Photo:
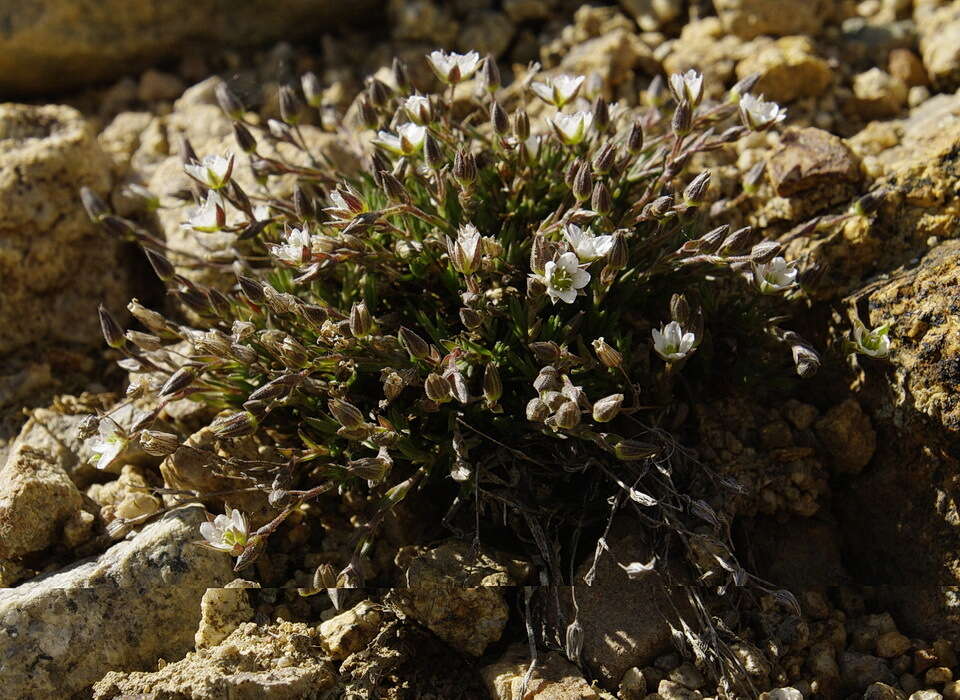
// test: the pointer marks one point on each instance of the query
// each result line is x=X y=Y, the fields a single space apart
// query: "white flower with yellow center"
x=564 y=277
x=672 y=343
x=453 y=68
x=109 y=444
x=759 y=114
x=774 y=276
x=212 y=171
x=209 y=216
x=587 y=245
x=296 y=247
x=573 y=128
x=407 y=141
x=419 y=109
x=227 y=533
x=558 y=91
x=687 y=86
x=875 y=343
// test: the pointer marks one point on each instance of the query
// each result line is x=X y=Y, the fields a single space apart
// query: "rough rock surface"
x=37 y=499
x=848 y=435
x=554 y=678
x=55 y=266
x=222 y=610
x=100 y=40
x=137 y=602
x=789 y=68
x=351 y=630
x=750 y=18
x=279 y=661
x=939 y=27
x=456 y=596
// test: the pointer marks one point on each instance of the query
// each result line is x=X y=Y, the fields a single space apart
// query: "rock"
x=814 y=161
x=57 y=434
x=37 y=499
x=882 y=691
x=115 y=38
x=687 y=675
x=455 y=596
x=135 y=603
x=939 y=28
x=668 y=690
x=554 y=678
x=422 y=20
x=938 y=675
x=905 y=65
x=613 y=642
x=614 y=57
x=845 y=430
x=277 y=662
x=222 y=610
x=892 y=644
x=705 y=45
x=782 y=694
x=750 y=18
x=352 y=630
x=55 y=266
x=857 y=671
x=878 y=95
x=121 y=138
x=486 y=32
x=789 y=68
x=926 y=695
x=127 y=497
x=651 y=15
x=633 y=685
x=525 y=10
x=753 y=662
x=156 y=85
x=951 y=691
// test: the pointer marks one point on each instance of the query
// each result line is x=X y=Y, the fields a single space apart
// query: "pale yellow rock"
x=789 y=68
x=352 y=630
x=222 y=610
x=554 y=678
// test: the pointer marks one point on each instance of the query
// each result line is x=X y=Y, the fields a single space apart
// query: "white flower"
x=466 y=251
x=558 y=91
x=407 y=141
x=531 y=148
x=454 y=67
x=775 y=275
x=261 y=212
x=672 y=343
x=228 y=533
x=295 y=249
x=572 y=128
x=418 y=108
x=564 y=277
x=875 y=343
x=687 y=86
x=758 y=114
x=585 y=244
x=109 y=444
x=209 y=217
x=213 y=171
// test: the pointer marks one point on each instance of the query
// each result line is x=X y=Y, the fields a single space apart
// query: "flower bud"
x=145 y=341
x=161 y=266
x=695 y=191
x=499 y=119
x=436 y=388
x=607 y=408
x=392 y=187
x=521 y=125
x=465 y=168
x=252 y=289
x=245 y=140
x=583 y=183
x=228 y=101
x=545 y=351
x=567 y=416
x=601 y=201
x=619 y=254
x=548 y=379
x=742 y=87
x=765 y=251
x=112 y=332
x=289 y=105
x=682 y=119
x=361 y=323
x=537 y=411
x=312 y=91
x=378 y=92
x=235 y=425
x=601 y=113
x=368 y=115
x=400 y=74
x=178 y=381
x=633 y=450
x=94 y=205
x=736 y=240
x=346 y=413
x=470 y=319
x=159 y=444
x=432 y=153
x=490 y=73
x=492 y=385
x=413 y=343
x=151 y=319
x=373 y=469
x=635 y=139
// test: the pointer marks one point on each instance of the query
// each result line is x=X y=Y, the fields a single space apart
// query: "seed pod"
x=413 y=343
x=805 y=358
x=228 y=101
x=537 y=411
x=346 y=413
x=660 y=207
x=243 y=353
x=361 y=323
x=606 y=353
x=219 y=302
x=293 y=354
x=567 y=416
x=289 y=105
x=159 y=444
x=545 y=351
x=273 y=389
x=695 y=191
x=458 y=386
x=607 y=408
x=145 y=341
x=541 y=251
x=574 y=641
x=151 y=319
x=178 y=381
x=548 y=379
x=112 y=332
x=765 y=251
x=521 y=125
x=751 y=180
x=437 y=388
x=373 y=469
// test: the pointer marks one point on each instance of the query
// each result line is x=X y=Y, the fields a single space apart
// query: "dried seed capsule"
x=151 y=319
x=537 y=411
x=159 y=444
x=145 y=341
x=361 y=323
x=346 y=413
x=604 y=159
x=607 y=408
x=545 y=351
x=606 y=353
x=437 y=388
x=567 y=416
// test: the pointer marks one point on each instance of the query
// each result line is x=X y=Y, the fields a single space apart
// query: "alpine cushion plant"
x=488 y=301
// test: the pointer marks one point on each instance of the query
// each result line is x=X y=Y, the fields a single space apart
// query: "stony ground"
x=851 y=480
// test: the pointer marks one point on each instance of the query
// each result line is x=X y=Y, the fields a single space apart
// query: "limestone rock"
x=613 y=57
x=279 y=661
x=705 y=45
x=37 y=499
x=222 y=610
x=857 y=671
x=58 y=435
x=848 y=435
x=351 y=630
x=750 y=18
x=486 y=32
x=133 y=604
x=102 y=39
x=554 y=678
x=882 y=691
x=812 y=160
x=652 y=14
x=789 y=68
x=55 y=265
x=907 y=66
x=878 y=95
x=939 y=27
x=455 y=596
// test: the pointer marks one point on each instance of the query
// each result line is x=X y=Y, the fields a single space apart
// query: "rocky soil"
x=850 y=481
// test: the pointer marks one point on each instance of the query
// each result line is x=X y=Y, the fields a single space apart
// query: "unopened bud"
x=94 y=205
x=545 y=351
x=737 y=240
x=583 y=183
x=361 y=323
x=178 y=381
x=490 y=73
x=607 y=408
x=470 y=318
x=619 y=254
x=633 y=450
x=245 y=140
x=289 y=105
x=400 y=74
x=252 y=289
x=601 y=201
x=112 y=332
x=695 y=191
x=537 y=411
x=159 y=444
x=635 y=139
x=346 y=413
x=567 y=416
x=499 y=119
x=392 y=187
x=765 y=251
x=547 y=379
x=492 y=385
x=436 y=388
x=465 y=168
x=521 y=125
x=432 y=153
x=601 y=113
x=368 y=115
x=145 y=341
x=228 y=101
x=682 y=118
x=379 y=93
x=161 y=266
x=742 y=87
x=413 y=343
